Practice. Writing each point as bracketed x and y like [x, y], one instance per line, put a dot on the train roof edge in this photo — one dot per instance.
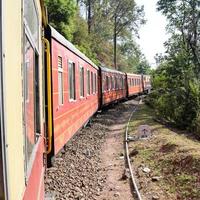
[132, 74]
[111, 70]
[61, 39]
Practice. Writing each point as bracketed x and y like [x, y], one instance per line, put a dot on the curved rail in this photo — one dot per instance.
[127, 156]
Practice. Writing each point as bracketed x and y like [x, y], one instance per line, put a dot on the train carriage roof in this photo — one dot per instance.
[61, 39]
[129, 74]
[105, 69]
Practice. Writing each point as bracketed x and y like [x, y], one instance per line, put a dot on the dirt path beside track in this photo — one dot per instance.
[117, 186]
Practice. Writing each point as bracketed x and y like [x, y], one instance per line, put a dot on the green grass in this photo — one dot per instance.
[170, 154]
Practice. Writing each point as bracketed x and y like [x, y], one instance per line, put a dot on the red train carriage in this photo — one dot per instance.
[146, 83]
[134, 82]
[74, 89]
[112, 86]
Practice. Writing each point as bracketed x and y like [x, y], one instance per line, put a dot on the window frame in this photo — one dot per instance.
[92, 82]
[74, 80]
[82, 88]
[95, 79]
[88, 83]
[28, 162]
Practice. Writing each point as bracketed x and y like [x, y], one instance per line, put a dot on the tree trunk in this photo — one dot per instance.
[115, 43]
[89, 16]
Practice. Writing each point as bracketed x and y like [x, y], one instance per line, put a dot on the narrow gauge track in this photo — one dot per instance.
[80, 171]
[133, 181]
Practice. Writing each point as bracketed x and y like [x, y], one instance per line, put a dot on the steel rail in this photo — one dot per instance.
[127, 156]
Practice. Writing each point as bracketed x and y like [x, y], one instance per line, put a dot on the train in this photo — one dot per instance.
[49, 90]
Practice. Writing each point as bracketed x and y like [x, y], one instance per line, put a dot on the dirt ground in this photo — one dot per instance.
[113, 155]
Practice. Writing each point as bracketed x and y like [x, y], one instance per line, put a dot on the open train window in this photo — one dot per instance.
[72, 81]
[95, 81]
[107, 83]
[92, 83]
[116, 83]
[94, 87]
[31, 89]
[60, 81]
[81, 81]
[112, 83]
[88, 82]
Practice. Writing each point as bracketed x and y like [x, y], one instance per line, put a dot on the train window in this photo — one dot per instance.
[112, 86]
[60, 82]
[95, 82]
[31, 89]
[107, 82]
[31, 19]
[72, 81]
[92, 83]
[29, 95]
[116, 84]
[88, 82]
[81, 81]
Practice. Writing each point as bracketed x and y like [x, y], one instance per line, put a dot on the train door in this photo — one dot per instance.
[3, 177]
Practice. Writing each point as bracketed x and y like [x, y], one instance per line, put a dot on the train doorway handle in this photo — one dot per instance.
[49, 101]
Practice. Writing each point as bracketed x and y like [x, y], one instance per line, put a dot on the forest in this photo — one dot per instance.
[105, 31]
[176, 81]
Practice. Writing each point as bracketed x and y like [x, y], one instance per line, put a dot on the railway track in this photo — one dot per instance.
[79, 167]
[135, 189]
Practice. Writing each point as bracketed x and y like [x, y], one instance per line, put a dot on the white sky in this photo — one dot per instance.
[153, 33]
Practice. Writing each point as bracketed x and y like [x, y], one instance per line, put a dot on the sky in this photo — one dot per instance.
[153, 33]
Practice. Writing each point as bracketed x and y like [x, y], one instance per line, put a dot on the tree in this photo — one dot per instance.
[61, 14]
[89, 24]
[176, 82]
[184, 19]
[125, 15]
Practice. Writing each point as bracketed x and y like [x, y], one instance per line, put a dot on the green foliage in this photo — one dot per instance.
[61, 15]
[176, 82]
[67, 16]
